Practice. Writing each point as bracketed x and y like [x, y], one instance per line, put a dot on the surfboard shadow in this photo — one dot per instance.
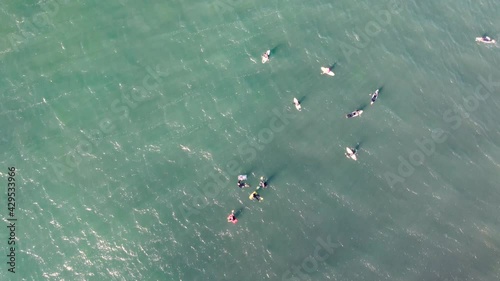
[333, 66]
[276, 49]
[267, 182]
[238, 212]
[380, 89]
[270, 179]
[358, 145]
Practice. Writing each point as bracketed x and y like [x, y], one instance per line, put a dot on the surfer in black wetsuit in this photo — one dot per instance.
[374, 97]
[486, 39]
[231, 217]
[353, 114]
[255, 196]
[242, 184]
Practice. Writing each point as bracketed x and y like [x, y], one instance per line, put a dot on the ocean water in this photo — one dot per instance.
[128, 123]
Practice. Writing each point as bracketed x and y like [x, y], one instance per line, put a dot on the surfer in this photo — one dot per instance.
[327, 71]
[255, 196]
[242, 184]
[241, 181]
[355, 113]
[374, 97]
[262, 182]
[232, 218]
[351, 153]
[296, 102]
[265, 56]
[485, 39]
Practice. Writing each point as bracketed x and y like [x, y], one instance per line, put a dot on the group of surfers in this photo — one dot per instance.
[351, 152]
[253, 196]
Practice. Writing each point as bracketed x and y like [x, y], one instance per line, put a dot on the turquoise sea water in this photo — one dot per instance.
[129, 122]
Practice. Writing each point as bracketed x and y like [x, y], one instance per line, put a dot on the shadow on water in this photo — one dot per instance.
[302, 99]
[270, 178]
[276, 49]
[379, 90]
[238, 212]
[274, 173]
[358, 145]
[268, 181]
[333, 66]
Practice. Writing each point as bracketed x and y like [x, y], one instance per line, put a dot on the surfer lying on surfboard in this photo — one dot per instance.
[354, 114]
[255, 196]
[485, 39]
[351, 153]
[232, 218]
[297, 104]
[265, 56]
[241, 181]
[242, 184]
[374, 97]
[327, 71]
[262, 183]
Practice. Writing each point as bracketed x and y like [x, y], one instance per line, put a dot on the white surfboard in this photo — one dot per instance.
[297, 104]
[327, 71]
[265, 56]
[350, 154]
[359, 112]
[480, 39]
[374, 97]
